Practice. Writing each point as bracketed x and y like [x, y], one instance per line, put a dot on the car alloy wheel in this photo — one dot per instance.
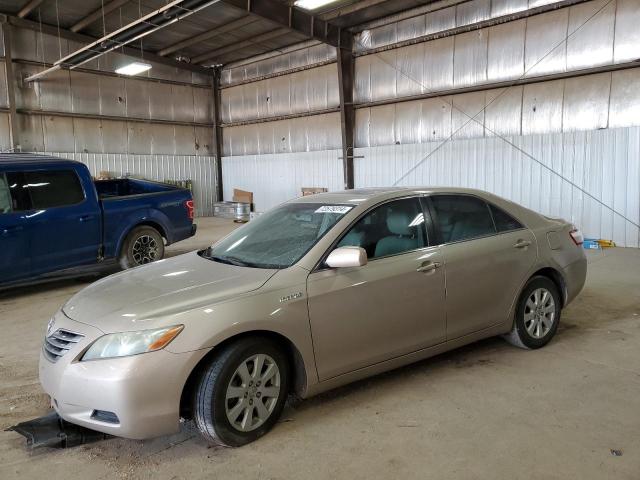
[539, 313]
[253, 392]
[145, 250]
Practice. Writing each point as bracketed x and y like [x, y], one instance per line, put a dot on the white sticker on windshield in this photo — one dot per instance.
[341, 209]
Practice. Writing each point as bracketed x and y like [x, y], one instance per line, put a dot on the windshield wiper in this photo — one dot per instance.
[229, 261]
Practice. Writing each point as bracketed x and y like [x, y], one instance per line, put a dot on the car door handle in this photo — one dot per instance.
[85, 218]
[522, 244]
[428, 267]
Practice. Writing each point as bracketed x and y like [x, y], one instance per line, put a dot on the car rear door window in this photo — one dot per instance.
[13, 194]
[55, 188]
[390, 229]
[462, 217]
[504, 222]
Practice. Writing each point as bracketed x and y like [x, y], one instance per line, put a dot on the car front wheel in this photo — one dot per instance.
[242, 392]
[537, 314]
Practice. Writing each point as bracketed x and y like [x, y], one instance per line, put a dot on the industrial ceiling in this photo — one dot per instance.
[222, 32]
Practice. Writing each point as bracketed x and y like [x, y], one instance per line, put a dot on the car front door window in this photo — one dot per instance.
[390, 229]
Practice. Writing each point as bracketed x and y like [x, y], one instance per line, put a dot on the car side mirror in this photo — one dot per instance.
[347, 257]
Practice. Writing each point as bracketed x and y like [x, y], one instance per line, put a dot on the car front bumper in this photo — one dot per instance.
[143, 391]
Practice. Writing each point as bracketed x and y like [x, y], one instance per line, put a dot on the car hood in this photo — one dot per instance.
[150, 296]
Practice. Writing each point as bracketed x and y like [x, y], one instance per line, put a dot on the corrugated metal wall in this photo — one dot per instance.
[604, 163]
[169, 112]
[577, 124]
[304, 134]
[276, 178]
[199, 169]
[610, 99]
[158, 127]
[302, 91]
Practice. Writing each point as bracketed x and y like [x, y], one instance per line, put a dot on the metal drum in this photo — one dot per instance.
[237, 211]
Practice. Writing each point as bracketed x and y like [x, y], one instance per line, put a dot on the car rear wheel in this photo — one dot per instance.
[242, 392]
[143, 245]
[537, 314]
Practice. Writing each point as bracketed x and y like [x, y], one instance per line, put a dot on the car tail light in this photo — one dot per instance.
[190, 208]
[576, 236]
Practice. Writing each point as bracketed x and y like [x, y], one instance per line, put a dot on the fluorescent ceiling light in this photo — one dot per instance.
[134, 68]
[313, 4]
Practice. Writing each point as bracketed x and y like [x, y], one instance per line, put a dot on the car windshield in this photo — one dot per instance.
[278, 238]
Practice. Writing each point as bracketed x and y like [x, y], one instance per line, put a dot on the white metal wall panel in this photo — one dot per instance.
[505, 7]
[87, 135]
[503, 115]
[473, 12]
[5, 140]
[113, 96]
[624, 108]
[304, 56]
[470, 58]
[85, 93]
[627, 33]
[580, 103]
[604, 163]
[4, 101]
[467, 115]
[159, 106]
[586, 102]
[305, 134]
[533, 46]
[591, 28]
[506, 51]
[276, 178]
[304, 91]
[438, 64]
[546, 46]
[542, 107]
[199, 169]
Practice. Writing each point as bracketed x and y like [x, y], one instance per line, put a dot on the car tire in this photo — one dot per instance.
[141, 246]
[537, 314]
[220, 414]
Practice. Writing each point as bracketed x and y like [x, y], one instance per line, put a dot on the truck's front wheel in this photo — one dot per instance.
[142, 245]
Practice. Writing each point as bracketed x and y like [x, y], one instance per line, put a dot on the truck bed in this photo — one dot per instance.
[124, 187]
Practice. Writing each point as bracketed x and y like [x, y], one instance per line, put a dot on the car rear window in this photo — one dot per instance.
[54, 188]
[462, 217]
[504, 222]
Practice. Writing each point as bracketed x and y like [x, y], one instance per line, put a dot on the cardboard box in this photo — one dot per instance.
[242, 196]
[313, 190]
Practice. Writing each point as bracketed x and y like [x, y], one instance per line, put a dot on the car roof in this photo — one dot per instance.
[33, 158]
[366, 195]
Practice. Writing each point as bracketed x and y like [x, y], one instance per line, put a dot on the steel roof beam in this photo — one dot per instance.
[85, 39]
[29, 7]
[97, 15]
[290, 17]
[239, 45]
[240, 22]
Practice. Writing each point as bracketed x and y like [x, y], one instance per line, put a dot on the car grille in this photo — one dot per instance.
[59, 343]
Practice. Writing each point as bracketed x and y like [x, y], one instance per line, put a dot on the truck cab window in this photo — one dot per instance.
[5, 195]
[53, 188]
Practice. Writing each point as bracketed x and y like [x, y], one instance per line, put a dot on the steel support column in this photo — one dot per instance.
[14, 129]
[217, 132]
[346, 71]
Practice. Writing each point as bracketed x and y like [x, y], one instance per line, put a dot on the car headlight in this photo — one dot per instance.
[131, 343]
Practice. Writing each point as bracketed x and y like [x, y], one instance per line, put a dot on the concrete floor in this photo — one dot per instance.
[485, 411]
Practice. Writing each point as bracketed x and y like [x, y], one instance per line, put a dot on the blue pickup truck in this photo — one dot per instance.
[56, 220]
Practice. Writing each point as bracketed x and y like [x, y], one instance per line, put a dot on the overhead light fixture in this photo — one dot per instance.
[134, 68]
[313, 4]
